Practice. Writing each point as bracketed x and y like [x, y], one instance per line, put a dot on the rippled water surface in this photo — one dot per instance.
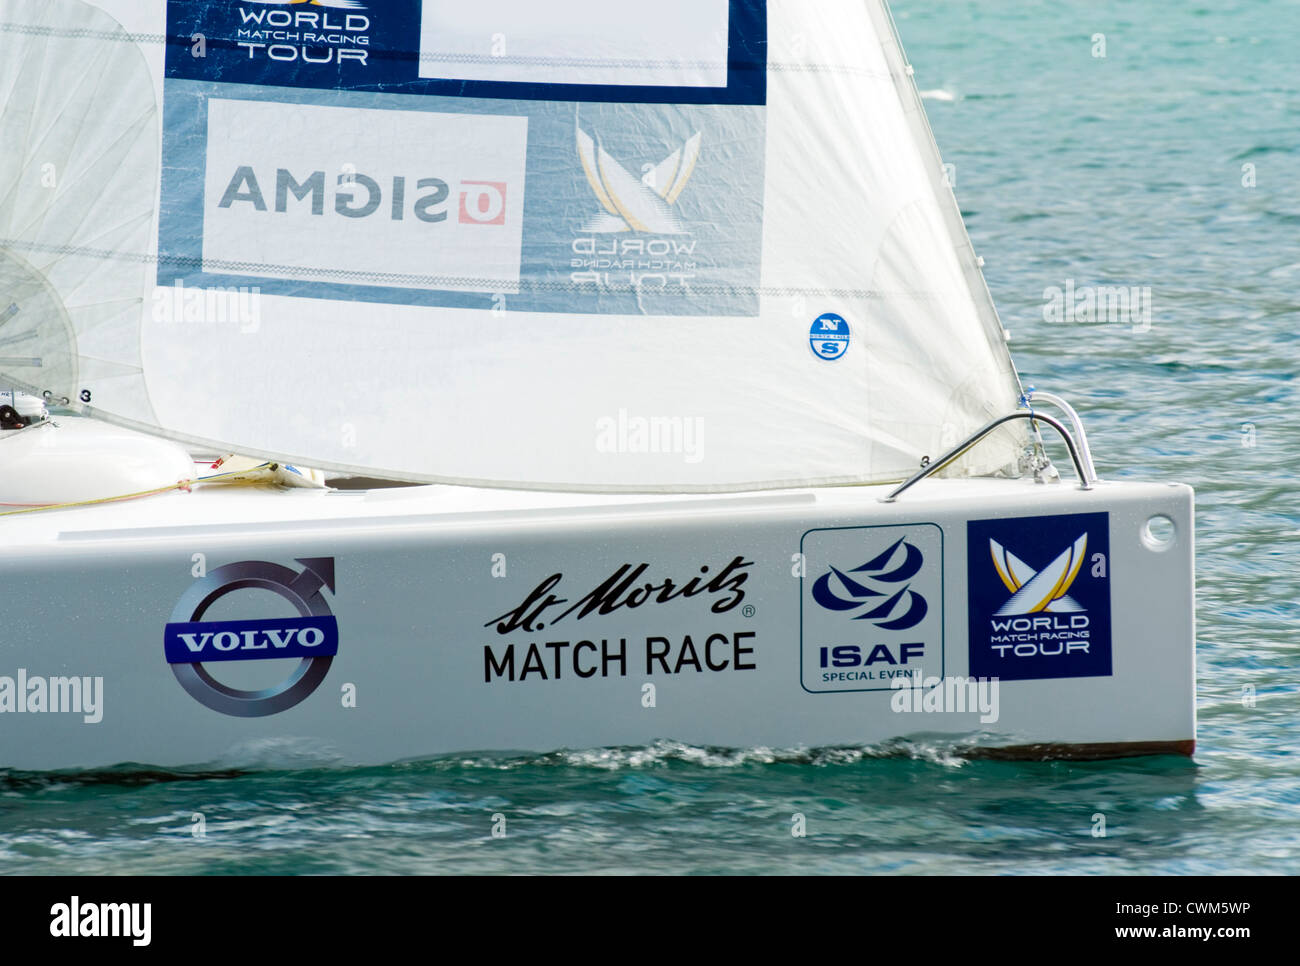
[1131, 169]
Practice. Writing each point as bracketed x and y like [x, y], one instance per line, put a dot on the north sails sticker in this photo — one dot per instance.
[872, 606]
[1040, 597]
[189, 641]
[829, 336]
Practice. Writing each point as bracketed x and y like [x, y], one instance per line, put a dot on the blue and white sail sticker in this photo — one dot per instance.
[871, 607]
[368, 151]
[1039, 597]
[829, 336]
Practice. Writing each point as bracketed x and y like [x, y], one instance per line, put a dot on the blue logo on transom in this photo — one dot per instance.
[1040, 597]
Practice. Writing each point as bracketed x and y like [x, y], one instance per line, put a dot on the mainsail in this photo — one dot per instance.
[703, 245]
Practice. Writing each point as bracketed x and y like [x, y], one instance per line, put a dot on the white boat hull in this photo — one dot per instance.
[446, 641]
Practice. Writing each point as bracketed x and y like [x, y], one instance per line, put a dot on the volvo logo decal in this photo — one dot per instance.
[190, 641]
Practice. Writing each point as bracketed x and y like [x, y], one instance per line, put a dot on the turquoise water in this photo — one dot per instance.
[1122, 170]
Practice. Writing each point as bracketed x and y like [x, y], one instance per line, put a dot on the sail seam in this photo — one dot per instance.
[82, 33]
[485, 285]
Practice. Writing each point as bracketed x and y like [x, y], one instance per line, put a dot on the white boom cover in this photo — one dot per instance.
[700, 245]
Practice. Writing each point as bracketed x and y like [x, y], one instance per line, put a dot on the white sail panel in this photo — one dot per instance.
[669, 42]
[360, 208]
[305, 242]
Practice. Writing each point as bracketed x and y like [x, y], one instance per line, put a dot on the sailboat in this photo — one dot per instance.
[425, 378]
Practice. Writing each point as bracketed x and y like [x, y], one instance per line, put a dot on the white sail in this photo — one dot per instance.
[570, 251]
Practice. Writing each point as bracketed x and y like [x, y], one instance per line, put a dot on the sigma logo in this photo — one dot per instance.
[1040, 597]
[420, 199]
[190, 642]
[354, 194]
[872, 608]
[482, 202]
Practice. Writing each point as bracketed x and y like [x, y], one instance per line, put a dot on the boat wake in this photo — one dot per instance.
[288, 757]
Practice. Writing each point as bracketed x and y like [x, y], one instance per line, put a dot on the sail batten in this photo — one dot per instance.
[713, 253]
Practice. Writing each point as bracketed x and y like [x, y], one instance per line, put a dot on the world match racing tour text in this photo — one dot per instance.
[624, 589]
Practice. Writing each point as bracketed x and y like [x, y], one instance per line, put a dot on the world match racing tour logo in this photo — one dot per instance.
[645, 205]
[1039, 591]
[1043, 609]
[328, 31]
[189, 641]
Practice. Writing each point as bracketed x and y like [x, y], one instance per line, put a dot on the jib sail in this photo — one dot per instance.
[569, 245]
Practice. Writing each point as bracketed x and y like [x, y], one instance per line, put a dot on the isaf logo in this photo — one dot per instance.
[1040, 597]
[864, 626]
[190, 642]
[899, 610]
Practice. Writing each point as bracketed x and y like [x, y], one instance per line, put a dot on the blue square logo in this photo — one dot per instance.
[1039, 597]
[872, 607]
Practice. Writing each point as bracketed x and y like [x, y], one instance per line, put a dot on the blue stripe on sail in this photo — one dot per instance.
[696, 251]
